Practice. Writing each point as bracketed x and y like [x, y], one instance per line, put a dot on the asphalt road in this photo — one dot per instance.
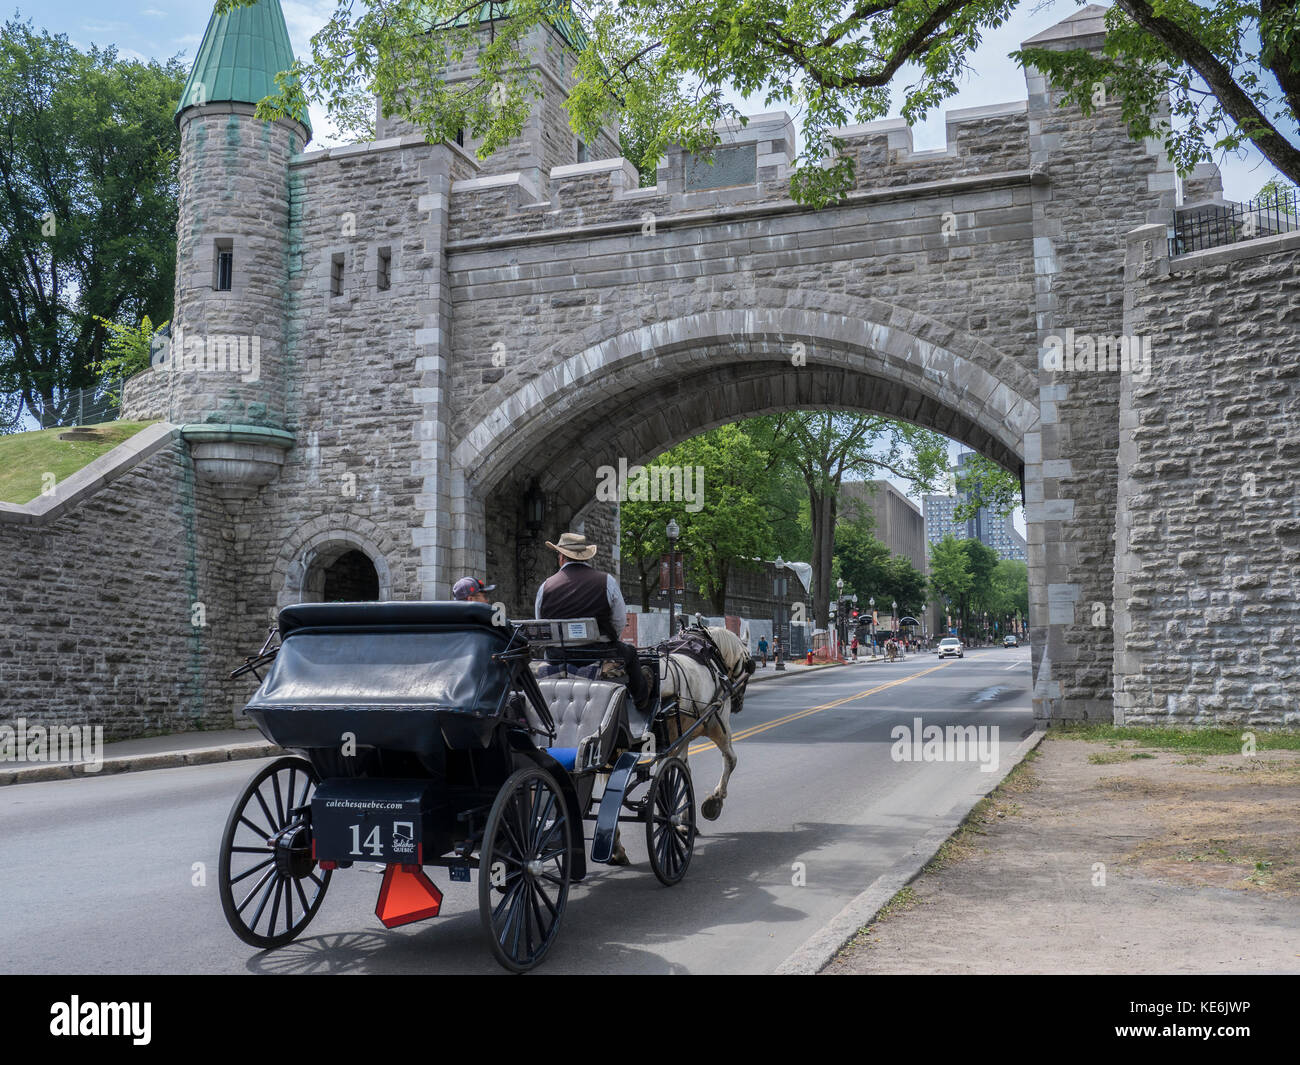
[118, 875]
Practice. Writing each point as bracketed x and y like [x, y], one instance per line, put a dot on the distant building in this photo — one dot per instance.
[899, 525]
[989, 528]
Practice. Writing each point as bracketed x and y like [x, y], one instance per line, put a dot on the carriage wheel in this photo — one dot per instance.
[670, 821]
[270, 889]
[523, 880]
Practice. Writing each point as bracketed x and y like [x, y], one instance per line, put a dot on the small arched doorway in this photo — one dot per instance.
[350, 578]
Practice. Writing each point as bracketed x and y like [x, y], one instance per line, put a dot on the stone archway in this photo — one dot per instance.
[319, 559]
[635, 393]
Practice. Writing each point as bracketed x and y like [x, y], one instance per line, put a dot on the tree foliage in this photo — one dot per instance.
[985, 484]
[731, 530]
[88, 159]
[970, 579]
[664, 68]
[825, 447]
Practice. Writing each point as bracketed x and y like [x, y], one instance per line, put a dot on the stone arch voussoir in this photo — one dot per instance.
[954, 369]
[320, 541]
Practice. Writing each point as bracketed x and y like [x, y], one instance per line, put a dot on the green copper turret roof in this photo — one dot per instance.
[241, 54]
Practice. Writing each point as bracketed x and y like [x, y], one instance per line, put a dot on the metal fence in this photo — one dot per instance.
[88, 406]
[1216, 224]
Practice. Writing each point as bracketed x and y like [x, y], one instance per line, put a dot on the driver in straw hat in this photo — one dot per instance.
[579, 590]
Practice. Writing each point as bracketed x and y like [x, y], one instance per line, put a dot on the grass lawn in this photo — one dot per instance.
[1201, 740]
[26, 457]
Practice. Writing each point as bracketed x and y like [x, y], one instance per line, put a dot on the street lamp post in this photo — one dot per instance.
[871, 605]
[779, 588]
[674, 531]
[893, 620]
[839, 616]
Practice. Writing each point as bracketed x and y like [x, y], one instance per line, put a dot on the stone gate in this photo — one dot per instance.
[440, 340]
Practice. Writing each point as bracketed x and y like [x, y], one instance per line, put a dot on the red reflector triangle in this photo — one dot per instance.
[406, 896]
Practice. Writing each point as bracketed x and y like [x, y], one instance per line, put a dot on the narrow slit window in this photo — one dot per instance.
[583, 155]
[336, 275]
[460, 136]
[225, 266]
[384, 274]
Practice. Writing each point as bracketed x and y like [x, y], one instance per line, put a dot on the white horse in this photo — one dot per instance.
[695, 686]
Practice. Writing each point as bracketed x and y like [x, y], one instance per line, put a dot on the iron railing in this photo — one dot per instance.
[88, 406]
[1213, 225]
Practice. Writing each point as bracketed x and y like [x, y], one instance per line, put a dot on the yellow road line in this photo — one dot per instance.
[754, 730]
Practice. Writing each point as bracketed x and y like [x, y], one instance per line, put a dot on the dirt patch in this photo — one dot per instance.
[1089, 859]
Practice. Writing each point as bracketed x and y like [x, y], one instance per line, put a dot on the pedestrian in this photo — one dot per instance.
[762, 650]
[854, 646]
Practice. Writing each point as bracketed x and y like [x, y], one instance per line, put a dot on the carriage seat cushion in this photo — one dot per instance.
[587, 713]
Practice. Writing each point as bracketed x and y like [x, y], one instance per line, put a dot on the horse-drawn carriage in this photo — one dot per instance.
[423, 737]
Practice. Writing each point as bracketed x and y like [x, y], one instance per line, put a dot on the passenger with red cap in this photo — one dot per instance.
[472, 590]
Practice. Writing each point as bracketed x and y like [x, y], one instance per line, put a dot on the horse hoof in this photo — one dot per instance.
[619, 857]
[711, 808]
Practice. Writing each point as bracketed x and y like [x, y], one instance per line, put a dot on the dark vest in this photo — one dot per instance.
[579, 591]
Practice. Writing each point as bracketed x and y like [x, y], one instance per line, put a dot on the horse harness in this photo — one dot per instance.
[696, 643]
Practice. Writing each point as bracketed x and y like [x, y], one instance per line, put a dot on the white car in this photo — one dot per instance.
[951, 646]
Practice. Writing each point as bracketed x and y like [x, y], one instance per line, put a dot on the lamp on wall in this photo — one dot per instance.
[534, 507]
[534, 517]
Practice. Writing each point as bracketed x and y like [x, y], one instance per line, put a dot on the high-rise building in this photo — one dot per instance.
[986, 526]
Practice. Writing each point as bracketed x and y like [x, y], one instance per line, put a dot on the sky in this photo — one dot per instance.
[160, 29]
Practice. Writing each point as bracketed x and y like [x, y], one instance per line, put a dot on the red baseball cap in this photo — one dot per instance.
[467, 586]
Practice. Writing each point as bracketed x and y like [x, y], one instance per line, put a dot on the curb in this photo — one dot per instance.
[821, 947]
[772, 674]
[138, 763]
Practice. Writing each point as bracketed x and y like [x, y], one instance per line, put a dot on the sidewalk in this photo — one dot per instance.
[1108, 856]
[225, 745]
[154, 752]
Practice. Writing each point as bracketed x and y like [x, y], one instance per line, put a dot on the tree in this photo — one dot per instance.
[88, 160]
[1009, 591]
[730, 530]
[1275, 193]
[981, 560]
[824, 446]
[950, 573]
[906, 585]
[985, 484]
[1230, 69]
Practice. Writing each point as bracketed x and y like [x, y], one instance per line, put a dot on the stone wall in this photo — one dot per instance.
[1099, 184]
[1207, 572]
[119, 612]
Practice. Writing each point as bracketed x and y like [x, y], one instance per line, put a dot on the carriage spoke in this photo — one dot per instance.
[543, 925]
[250, 871]
[270, 817]
[275, 905]
[256, 888]
[302, 896]
[265, 834]
[269, 879]
[279, 802]
[539, 823]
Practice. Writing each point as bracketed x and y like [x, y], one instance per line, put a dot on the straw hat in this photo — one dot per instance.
[574, 546]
